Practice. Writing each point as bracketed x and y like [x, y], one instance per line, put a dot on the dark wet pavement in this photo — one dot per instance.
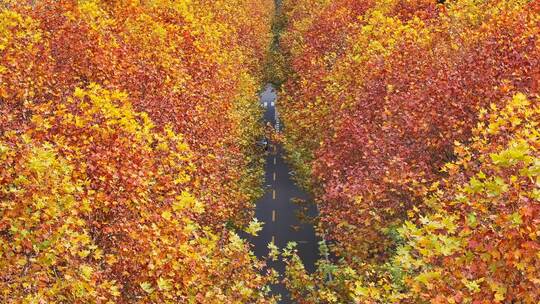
[277, 208]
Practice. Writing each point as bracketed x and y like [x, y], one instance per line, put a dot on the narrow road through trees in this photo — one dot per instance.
[277, 208]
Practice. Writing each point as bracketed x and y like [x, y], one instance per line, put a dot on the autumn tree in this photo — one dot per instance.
[374, 104]
[479, 240]
[177, 62]
[94, 192]
[127, 147]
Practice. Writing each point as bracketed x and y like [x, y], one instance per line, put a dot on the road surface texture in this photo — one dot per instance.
[277, 208]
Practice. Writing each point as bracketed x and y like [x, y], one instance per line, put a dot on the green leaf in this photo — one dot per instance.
[471, 220]
[426, 277]
[254, 227]
[86, 272]
[164, 284]
[273, 251]
[515, 218]
[473, 286]
[511, 156]
[147, 287]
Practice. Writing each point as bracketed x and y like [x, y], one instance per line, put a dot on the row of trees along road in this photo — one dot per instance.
[126, 150]
[415, 125]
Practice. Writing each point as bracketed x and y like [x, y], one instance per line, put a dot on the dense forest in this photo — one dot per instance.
[131, 159]
[126, 150]
[415, 124]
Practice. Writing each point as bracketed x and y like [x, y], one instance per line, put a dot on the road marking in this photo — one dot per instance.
[274, 160]
[273, 103]
[273, 194]
[266, 104]
[273, 215]
[273, 240]
[274, 176]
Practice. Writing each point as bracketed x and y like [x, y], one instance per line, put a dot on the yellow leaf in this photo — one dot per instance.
[166, 215]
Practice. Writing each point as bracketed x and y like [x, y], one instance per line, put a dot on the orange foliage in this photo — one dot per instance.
[378, 94]
[127, 146]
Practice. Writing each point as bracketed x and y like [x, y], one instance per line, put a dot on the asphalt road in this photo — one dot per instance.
[277, 209]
